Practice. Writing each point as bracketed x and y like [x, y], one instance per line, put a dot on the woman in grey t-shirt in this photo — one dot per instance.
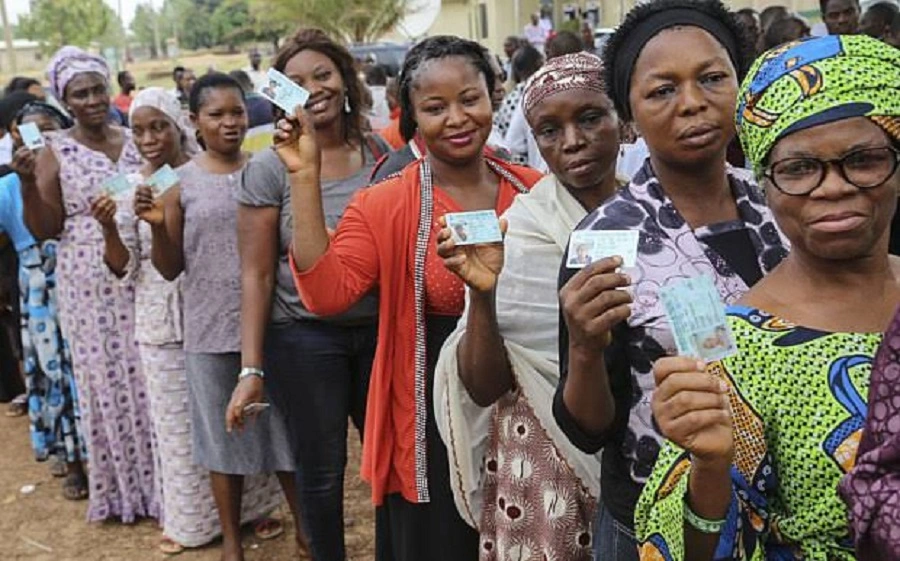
[317, 369]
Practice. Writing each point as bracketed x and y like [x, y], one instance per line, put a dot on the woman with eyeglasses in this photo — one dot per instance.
[758, 442]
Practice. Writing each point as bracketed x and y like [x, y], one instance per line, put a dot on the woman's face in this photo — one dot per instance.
[87, 97]
[222, 120]
[452, 108]
[499, 78]
[44, 123]
[683, 94]
[577, 132]
[156, 136]
[837, 220]
[319, 75]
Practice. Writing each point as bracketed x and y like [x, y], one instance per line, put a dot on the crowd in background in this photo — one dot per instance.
[197, 356]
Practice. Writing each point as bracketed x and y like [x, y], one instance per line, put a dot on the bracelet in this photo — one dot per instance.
[249, 371]
[701, 524]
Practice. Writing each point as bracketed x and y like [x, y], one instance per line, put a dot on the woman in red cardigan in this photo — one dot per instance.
[387, 237]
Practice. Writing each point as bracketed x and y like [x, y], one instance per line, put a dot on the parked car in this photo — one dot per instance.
[389, 55]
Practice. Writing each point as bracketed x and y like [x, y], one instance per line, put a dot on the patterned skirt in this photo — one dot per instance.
[52, 400]
[189, 514]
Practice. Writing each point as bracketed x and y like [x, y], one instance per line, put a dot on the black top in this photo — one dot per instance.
[620, 492]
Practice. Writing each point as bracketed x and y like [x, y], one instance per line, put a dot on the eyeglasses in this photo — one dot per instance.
[864, 169]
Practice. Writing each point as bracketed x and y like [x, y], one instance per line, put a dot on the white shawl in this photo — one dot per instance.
[528, 315]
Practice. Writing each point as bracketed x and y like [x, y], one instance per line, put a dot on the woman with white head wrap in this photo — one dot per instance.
[61, 190]
[188, 511]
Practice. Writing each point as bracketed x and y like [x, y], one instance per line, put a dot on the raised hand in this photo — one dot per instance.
[592, 304]
[148, 207]
[23, 164]
[296, 144]
[103, 209]
[691, 407]
[477, 265]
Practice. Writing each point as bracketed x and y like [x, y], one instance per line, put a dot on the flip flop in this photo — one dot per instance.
[75, 487]
[169, 546]
[18, 407]
[268, 528]
[58, 468]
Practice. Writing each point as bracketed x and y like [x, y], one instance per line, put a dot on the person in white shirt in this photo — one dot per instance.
[536, 33]
[257, 75]
[376, 80]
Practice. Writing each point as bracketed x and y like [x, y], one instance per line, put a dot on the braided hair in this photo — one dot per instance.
[317, 40]
[714, 9]
[432, 49]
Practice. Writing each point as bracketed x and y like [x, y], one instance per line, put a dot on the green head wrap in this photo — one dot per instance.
[816, 81]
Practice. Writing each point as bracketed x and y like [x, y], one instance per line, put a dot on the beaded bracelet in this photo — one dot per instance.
[701, 524]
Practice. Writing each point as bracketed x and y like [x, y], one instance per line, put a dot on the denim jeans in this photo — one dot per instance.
[318, 374]
[613, 541]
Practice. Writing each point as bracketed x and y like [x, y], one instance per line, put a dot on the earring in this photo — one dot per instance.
[346, 103]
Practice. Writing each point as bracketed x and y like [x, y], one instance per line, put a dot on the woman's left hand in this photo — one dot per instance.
[103, 210]
[477, 265]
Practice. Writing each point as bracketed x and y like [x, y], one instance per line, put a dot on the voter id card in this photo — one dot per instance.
[163, 179]
[589, 246]
[31, 136]
[697, 318]
[477, 227]
[283, 92]
[117, 184]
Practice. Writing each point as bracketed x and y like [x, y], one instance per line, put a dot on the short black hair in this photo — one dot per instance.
[243, 79]
[823, 4]
[563, 43]
[20, 84]
[780, 32]
[11, 104]
[436, 48]
[884, 12]
[895, 24]
[177, 72]
[43, 108]
[376, 75]
[526, 62]
[772, 14]
[212, 81]
[744, 48]
[120, 77]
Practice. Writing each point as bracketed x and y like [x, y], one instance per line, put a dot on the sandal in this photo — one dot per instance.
[18, 407]
[268, 528]
[169, 546]
[58, 468]
[75, 487]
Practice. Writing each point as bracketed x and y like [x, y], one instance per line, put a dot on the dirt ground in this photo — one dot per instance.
[42, 526]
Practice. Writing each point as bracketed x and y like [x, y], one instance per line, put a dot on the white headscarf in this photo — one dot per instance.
[160, 99]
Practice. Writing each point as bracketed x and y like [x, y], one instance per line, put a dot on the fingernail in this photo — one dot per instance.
[701, 366]
[723, 387]
[626, 279]
[618, 261]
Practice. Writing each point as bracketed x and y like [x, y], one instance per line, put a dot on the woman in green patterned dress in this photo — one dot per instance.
[758, 443]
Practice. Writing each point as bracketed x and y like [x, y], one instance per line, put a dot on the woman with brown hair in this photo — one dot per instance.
[316, 369]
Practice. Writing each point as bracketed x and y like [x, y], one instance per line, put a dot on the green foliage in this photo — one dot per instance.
[358, 21]
[56, 23]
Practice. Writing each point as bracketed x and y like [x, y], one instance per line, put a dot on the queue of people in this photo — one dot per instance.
[197, 356]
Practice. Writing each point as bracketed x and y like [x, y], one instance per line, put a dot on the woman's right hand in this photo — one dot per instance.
[103, 209]
[592, 304]
[692, 409]
[248, 390]
[296, 144]
[147, 207]
[23, 164]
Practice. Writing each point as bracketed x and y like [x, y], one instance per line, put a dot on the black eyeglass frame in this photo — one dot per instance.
[768, 171]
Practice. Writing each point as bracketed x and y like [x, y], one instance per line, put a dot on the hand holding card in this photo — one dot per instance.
[471, 245]
[31, 136]
[163, 179]
[697, 318]
[283, 92]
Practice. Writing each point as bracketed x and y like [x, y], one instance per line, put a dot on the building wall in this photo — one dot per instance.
[27, 59]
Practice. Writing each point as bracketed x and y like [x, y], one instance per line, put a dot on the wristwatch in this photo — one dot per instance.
[249, 371]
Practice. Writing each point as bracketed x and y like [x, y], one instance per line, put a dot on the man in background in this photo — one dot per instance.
[841, 17]
[254, 71]
[127, 86]
[536, 34]
[878, 19]
[379, 114]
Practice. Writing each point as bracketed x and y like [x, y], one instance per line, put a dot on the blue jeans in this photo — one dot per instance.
[613, 541]
[319, 376]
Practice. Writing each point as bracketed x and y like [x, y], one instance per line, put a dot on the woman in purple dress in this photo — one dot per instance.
[97, 310]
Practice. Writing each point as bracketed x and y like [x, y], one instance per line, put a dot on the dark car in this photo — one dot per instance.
[389, 55]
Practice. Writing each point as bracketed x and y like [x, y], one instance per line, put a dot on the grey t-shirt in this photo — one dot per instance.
[265, 183]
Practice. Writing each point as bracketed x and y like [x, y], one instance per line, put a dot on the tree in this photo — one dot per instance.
[358, 21]
[55, 23]
[148, 27]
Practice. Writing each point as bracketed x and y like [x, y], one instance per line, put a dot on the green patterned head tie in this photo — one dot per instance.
[813, 82]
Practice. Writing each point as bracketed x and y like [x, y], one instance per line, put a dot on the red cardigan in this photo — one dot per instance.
[375, 244]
